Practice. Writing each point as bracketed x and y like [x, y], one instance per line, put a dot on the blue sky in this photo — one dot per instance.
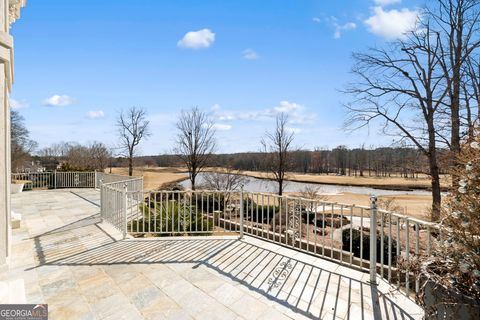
[78, 62]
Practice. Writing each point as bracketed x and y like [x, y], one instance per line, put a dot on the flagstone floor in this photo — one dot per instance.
[66, 257]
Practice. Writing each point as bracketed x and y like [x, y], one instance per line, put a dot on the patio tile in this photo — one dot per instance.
[84, 273]
[249, 307]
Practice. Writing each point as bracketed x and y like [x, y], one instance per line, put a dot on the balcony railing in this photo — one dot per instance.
[334, 231]
[55, 180]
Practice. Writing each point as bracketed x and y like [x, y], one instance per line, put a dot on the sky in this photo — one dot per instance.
[78, 63]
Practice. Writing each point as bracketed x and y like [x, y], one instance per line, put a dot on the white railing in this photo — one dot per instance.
[335, 231]
[55, 180]
[340, 232]
[102, 177]
[120, 199]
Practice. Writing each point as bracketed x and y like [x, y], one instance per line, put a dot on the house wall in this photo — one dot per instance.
[9, 12]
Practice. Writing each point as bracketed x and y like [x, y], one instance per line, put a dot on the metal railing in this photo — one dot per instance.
[55, 180]
[340, 232]
[335, 231]
[120, 199]
[108, 178]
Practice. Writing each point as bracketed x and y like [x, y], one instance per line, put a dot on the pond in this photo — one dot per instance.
[263, 185]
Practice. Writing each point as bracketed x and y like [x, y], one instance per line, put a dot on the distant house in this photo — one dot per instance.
[51, 164]
[31, 166]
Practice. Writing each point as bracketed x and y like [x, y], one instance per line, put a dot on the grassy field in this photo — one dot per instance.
[154, 178]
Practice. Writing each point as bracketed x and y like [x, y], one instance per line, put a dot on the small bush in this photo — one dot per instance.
[331, 220]
[357, 240]
[171, 218]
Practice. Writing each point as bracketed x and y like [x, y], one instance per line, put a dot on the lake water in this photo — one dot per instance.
[262, 185]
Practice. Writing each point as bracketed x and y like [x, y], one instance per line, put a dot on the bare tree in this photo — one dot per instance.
[403, 88]
[277, 146]
[471, 91]
[195, 141]
[457, 24]
[21, 144]
[227, 180]
[100, 155]
[133, 127]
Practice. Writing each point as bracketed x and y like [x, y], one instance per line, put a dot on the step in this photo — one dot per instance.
[12, 291]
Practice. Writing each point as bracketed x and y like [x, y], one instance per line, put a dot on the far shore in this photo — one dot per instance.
[386, 183]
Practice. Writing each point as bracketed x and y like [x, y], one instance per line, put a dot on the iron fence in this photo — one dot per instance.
[336, 231]
[363, 237]
[55, 180]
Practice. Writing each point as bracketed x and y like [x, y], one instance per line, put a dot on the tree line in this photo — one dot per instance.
[372, 162]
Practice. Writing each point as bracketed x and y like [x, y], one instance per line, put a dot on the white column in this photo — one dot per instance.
[9, 12]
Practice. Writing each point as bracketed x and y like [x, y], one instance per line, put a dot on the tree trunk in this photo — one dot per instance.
[192, 180]
[280, 187]
[434, 174]
[130, 166]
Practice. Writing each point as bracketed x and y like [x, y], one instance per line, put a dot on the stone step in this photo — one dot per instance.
[12, 291]
[16, 220]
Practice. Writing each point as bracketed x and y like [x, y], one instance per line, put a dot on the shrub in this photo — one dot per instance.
[269, 211]
[172, 218]
[456, 262]
[357, 241]
[331, 220]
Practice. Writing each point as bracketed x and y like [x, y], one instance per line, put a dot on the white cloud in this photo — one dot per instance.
[249, 54]
[295, 111]
[58, 101]
[18, 104]
[95, 114]
[392, 24]
[216, 107]
[221, 127]
[386, 2]
[340, 28]
[287, 107]
[344, 27]
[316, 19]
[197, 39]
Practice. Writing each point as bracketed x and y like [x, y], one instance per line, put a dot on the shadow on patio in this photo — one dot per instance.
[307, 285]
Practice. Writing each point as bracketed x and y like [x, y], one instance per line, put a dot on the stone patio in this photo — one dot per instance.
[65, 256]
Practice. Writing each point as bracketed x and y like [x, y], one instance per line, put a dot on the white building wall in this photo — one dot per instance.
[9, 12]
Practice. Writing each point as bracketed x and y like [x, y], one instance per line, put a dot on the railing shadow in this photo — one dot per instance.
[305, 288]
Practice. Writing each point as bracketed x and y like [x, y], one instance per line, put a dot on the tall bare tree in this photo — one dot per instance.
[133, 127]
[403, 88]
[21, 144]
[277, 146]
[100, 155]
[471, 91]
[195, 141]
[457, 24]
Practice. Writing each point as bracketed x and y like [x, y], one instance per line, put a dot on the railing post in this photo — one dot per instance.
[55, 179]
[95, 179]
[124, 210]
[102, 204]
[373, 239]
[241, 212]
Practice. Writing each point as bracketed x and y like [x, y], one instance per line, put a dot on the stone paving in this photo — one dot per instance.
[81, 267]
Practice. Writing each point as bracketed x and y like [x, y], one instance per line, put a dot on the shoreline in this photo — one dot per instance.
[392, 187]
